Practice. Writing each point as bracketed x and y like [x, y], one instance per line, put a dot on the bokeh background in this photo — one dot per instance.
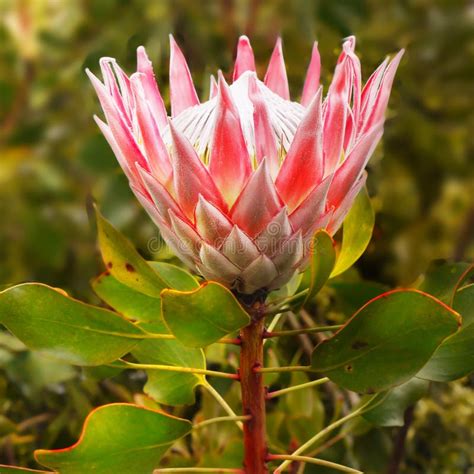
[54, 164]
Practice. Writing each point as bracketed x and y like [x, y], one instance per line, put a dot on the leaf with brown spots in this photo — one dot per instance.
[125, 263]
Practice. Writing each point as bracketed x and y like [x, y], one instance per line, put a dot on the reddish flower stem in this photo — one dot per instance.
[253, 397]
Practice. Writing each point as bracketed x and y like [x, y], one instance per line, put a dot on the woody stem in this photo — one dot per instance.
[253, 397]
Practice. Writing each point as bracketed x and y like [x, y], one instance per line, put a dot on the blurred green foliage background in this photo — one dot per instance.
[54, 163]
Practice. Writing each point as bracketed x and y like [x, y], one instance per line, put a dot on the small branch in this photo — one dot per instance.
[149, 335]
[295, 332]
[236, 341]
[225, 406]
[306, 342]
[272, 325]
[330, 442]
[306, 459]
[274, 370]
[276, 312]
[31, 422]
[171, 368]
[198, 469]
[283, 391]
[278, 307]
[326, 431]
[219, 419]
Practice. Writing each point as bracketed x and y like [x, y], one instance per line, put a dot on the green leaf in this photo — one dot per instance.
[125, 263]
[323, 258]
[47, 320]
[125, 300]
[454, 358]
[203, 316]
[119, 438]
[442, 279]
[386, 342]
[352, 295]
[357, 232]
[391, 411]
[18, 470]
[101, 372]
[176, 277]
[139, 306]
[170, 388]
[464, 304]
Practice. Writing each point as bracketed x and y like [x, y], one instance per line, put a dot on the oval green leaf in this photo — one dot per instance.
[124, 262]
[169, 388]
[119, 438]
[47, 320]
[323, 258]
[352, 295]
[386, 342]
[176, 277]
[357, 232]
[135, 305]
[442, 279]
[203, 316]
[454, 358]
[125, 300]
[392, 410]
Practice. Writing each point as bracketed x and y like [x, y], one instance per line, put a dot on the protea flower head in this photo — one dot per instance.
[239, 184]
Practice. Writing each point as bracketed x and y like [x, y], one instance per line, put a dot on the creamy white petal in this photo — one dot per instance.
[197, 123]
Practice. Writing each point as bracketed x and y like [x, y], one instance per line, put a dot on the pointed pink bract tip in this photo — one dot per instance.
[245, 60]
[275, 77]
[223, 91]
[311, 83]
[350, 41]
[182, 92]
[244, 40]
[142, 57]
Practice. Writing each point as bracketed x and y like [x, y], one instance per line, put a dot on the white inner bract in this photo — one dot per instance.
[197, 122]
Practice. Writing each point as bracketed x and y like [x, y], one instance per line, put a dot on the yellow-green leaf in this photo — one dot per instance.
[323, 258]
[357, 232]
[125, 263]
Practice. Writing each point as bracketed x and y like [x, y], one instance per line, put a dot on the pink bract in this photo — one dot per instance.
[239, 184]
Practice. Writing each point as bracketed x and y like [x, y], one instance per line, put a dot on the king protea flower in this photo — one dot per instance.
[239, 184]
